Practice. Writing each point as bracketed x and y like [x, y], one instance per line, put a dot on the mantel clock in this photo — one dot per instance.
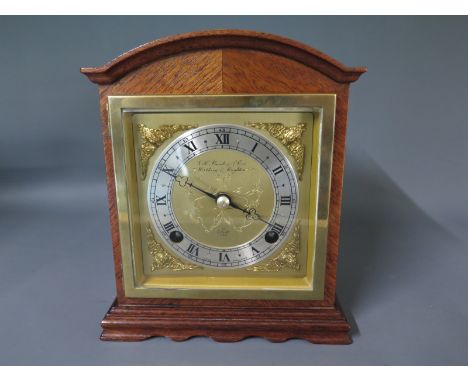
[224, 159]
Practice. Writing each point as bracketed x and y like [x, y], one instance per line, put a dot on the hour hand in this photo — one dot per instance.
[183, 181]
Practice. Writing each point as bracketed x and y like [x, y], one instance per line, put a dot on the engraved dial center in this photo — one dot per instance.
[234, 179]
[223, 201]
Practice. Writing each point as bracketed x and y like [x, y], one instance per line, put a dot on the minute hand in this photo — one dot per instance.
[250, 212]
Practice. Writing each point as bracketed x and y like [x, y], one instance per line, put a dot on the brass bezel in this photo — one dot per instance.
[310, 287]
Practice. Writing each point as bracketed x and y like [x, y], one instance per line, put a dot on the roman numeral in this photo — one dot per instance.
[161, 201]
[285, 201]
[168, 171]
[255, 146]
[223, 257]
[191, 146]
[192, 248]
[222, 138]
[277, 228]
[169, 226]
[254, 250]
[277, 170]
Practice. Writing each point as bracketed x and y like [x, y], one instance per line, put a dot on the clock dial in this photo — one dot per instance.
[223, 196]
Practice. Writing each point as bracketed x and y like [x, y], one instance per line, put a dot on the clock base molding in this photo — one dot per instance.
[319, 325]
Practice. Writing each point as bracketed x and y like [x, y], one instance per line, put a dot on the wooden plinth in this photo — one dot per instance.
[228, 324]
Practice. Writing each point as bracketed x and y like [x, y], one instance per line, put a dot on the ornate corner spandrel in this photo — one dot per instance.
[289, 136]
[163, 259]
[151, 139]
[286, 259]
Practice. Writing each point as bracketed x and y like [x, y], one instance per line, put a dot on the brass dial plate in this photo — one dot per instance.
[302, 128]
[223, 196]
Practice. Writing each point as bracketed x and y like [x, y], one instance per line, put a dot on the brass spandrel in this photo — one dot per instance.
[161, 259]
[289, 136]
[286, 259]
[153, 138]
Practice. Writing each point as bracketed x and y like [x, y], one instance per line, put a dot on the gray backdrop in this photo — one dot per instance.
[403, 261]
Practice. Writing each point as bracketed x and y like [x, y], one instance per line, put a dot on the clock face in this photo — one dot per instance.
[223, 196]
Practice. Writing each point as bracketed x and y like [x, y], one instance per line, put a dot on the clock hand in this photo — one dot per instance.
[250, 212]
[183, 181]
[212, 196]
[233, 205]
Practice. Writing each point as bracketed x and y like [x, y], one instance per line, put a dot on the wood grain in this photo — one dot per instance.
[227, 62]
[224, 324]
[221, 39]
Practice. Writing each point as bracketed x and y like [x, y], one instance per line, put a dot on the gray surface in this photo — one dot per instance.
[402, 271]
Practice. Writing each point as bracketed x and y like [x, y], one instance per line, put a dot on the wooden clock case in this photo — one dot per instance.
[214, 63]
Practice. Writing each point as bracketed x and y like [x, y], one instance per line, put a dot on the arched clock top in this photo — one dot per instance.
[219, 40]
[224, 161]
